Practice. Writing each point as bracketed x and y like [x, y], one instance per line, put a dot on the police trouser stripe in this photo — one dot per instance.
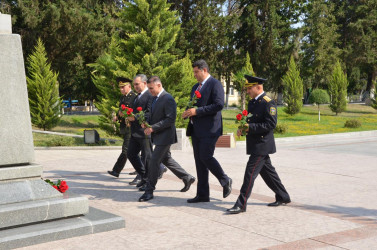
[251, 180]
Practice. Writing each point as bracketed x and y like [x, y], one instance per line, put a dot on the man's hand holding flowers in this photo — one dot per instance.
[191, 111]
[128, 113]
[241, 119]
[140, 116]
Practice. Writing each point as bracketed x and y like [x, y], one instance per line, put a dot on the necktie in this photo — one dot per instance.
[153, 102]
[137, 98]
[199, 87]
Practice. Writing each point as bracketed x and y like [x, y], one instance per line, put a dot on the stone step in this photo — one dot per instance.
[24, 190]
[20, 172]
[94, 222]
[69, 204]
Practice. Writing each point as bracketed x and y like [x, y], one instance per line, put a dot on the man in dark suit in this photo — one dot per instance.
[127, 99]
[139, 142]
[205, 128]
[260, 143]
[163, 112]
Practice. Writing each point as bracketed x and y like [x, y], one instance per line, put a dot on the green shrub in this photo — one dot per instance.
[353, 123]
[60, 141]
[281, 129]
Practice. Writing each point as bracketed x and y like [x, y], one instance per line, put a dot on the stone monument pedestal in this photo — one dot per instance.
[31, 210]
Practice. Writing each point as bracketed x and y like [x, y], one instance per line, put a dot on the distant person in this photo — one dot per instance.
[260, 143]
[205, 127]
[163, 113]
[127, 99]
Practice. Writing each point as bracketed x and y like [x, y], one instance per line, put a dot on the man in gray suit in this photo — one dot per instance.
[163, 112]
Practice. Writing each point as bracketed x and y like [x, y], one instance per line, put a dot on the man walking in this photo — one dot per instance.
[163, 112]
[139, 142]
[260, 143]
[205, 127]
[127, 100]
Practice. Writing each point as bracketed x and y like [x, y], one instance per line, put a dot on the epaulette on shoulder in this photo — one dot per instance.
[268, 99]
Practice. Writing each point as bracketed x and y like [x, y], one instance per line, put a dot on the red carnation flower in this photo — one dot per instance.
[129, 112]
[123, 107]
[139, 109]
[198, 95]
[55, 187]
[63, 186]
[239, 117]
[244, 112]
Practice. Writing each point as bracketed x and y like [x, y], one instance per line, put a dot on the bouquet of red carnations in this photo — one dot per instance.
[60, 185]
[241, 119]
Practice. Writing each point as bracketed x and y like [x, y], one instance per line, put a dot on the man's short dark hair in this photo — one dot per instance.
[154, 79]
[201, 64]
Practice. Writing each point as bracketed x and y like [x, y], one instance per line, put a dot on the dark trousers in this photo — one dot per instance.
[261, 164]
[122, 159]
[136, 146]
[204, 149]
[161, 154]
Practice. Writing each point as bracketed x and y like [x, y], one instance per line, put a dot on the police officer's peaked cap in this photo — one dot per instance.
[253, 80]
[123, 81]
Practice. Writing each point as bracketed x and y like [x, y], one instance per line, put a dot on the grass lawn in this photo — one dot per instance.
[74, 124]
[304, 123]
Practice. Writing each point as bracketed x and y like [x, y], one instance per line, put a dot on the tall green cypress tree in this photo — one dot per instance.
[144, 44]
[338, 89]
[106, 69]
[293, 89]
[239, 79]
[178, 81]
[43, 90]
[320, 45]
[151, 29]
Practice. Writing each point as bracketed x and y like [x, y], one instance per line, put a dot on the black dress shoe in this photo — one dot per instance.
[133, 173]
[162, 172]
[136, 180]
[227, 189]
[278, 203]
[141, 183]
[115, 174]
[142, 188]
[188, 184]
[197, 199]
[146, 197]
[235, 210]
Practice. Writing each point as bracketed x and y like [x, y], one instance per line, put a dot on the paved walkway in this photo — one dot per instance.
[331, 180]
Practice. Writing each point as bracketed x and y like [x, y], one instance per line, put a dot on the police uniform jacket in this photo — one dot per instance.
[127, 100]
[260, 138]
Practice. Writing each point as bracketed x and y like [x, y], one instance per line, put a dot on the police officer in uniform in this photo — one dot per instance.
[127, 99]
[260, 143]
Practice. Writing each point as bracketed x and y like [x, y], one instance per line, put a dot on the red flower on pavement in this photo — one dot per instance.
[123, 107]
[139, 109]
[63, 187]
[60, 185]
